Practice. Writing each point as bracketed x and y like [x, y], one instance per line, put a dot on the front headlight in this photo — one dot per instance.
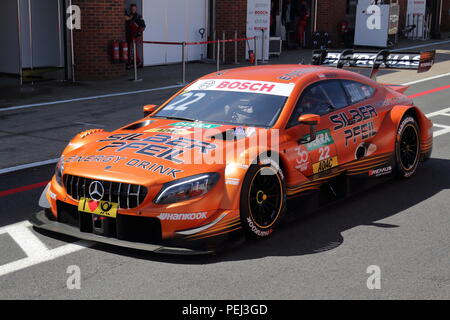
[187, 188]
[59, 169]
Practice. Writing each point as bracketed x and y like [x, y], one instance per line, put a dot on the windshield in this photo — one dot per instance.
[234, 102]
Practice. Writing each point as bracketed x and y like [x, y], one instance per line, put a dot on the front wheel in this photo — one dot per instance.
[263, 199]
[407, 147]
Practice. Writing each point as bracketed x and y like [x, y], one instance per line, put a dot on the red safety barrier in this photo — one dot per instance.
[196, 43]
[163, 42]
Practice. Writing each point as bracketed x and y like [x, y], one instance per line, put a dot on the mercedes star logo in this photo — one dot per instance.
[96, 190]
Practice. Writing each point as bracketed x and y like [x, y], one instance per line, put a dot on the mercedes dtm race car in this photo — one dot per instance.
[229, 153]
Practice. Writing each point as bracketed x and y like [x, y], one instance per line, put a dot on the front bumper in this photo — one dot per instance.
[41, 221]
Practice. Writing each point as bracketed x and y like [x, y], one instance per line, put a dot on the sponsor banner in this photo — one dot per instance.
[248, 86]
[258, 24]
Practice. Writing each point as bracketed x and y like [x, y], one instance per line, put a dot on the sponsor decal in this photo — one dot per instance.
[366, 59]
[153, 167]
[137, 163]
[351, 122]
[207, 84]
[323, 138]
[380, 171]
[302, 161]
[260, 233]
[354, 116]
[360, 132]
[249, 86]
[95, 158]
[182, 216]
[101, 208]
[170, 130]
[298, 73]
[198, 125]
[160, 146]
[52, 195]
[232, 181]
[325, 164]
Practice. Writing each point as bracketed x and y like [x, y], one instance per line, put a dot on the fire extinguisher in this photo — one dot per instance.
[115, 51]
[124, 51]
[343, 27]
[251, 54]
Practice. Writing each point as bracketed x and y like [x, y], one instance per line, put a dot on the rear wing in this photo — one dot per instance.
[384, 59]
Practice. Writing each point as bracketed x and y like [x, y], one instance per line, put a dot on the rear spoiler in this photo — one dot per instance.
[385, 59]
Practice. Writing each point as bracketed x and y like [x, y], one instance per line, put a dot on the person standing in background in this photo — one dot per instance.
[134, 27]
[302, 23]
[289, 18]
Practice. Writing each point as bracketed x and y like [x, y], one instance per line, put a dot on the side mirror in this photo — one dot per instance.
[149, 109]
[311, 120]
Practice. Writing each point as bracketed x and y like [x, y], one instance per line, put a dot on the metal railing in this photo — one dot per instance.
[217, 44]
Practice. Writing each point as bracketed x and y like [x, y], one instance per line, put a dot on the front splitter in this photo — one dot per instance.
[41, 221]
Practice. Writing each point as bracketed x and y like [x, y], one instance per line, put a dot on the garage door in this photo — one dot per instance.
[173, 20]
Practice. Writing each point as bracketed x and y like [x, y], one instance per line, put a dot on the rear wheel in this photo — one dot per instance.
[407, 148]
[263, 199]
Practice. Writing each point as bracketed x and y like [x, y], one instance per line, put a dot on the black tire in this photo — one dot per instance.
[263, 199]
[407, 147]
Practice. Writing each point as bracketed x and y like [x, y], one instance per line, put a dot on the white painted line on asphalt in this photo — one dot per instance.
[426, 79]
[30, 244]
[47, 256]
[28, 165]
[423, 45]
[442, 112]
[26, 106]
[21, 223]
[36, 251]
[445, 129]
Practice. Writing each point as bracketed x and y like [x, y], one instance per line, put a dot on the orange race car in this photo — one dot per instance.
[229, 153]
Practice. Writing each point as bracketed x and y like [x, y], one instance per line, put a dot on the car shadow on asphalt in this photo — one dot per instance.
[322, 231]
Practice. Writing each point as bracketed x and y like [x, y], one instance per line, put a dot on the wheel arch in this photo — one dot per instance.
[232, 195]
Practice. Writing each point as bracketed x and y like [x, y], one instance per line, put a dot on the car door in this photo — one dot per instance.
[316, 157]
[353, 126]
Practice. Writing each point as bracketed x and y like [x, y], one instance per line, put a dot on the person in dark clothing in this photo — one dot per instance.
[289, 18]
[134, 26]
[302, 22]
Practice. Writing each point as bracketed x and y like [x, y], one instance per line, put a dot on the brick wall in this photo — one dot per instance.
[231, 15]
[445, 23]
[329, 14]
[101, 22]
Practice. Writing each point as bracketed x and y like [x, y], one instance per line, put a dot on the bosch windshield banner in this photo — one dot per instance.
[247, 86]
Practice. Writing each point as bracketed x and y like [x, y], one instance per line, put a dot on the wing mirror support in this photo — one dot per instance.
[312, 120]
[149, 109]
